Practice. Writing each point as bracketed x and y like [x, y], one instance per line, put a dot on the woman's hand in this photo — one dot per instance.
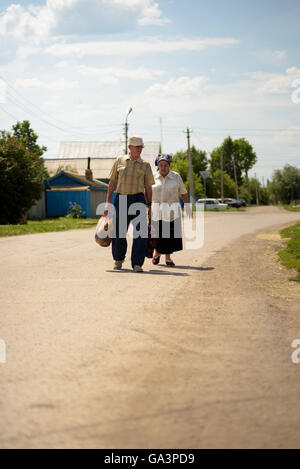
[189, 210]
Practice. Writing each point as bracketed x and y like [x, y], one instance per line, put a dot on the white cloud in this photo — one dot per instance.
[77, 17]
[61, 84]
[62, 64]
[156, 45]
[26, 51]
[272, 83]
[271, 57]
[149, 11]
[178, 87]
[20, 23]
[280, 55]
[113, 75]
[257, 95]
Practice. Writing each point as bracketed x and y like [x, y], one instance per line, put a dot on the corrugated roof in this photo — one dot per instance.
[100, 166]
[87, 181]
[92, 149]
[104, 150]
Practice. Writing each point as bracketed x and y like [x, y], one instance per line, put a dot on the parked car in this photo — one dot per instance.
[243, 202]
[211, 204]
[233, 203]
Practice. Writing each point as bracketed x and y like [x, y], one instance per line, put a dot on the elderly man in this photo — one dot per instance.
[133, 179]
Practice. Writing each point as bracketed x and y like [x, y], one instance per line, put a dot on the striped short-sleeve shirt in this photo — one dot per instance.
[131, 176]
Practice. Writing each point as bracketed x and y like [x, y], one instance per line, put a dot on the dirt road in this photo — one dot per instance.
[194, 357]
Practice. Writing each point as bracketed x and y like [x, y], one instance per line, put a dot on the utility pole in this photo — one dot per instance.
[235, 178]
[191, 175]
[248, 186]
[257, 200]
[126, 137]
[126, 130]
[222, 177]
[161, 135]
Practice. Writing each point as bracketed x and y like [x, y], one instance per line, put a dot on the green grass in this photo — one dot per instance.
[48, 225]
[291, 208]
[230, 209]
[290, 256]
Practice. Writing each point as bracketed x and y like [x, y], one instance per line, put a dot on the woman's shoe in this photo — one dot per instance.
[155, 260]
[170, 264]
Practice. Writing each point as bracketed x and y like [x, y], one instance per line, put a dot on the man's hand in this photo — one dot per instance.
[149, 211]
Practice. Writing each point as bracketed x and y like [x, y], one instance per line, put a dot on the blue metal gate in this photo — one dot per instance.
[58, 202]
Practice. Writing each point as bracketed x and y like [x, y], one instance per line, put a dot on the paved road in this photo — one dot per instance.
[99, 358]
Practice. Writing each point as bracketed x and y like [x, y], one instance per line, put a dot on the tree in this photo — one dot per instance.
[24, 132]
[214, 185]
[238, 150]
[248, 192]
[22, 174]
[180, 164]
[285, 185]
[199, 159]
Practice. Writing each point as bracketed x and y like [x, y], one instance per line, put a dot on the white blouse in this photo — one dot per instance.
[165, 193]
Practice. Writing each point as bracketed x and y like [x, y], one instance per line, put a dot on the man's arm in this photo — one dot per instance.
[148, 196]
[111, 189]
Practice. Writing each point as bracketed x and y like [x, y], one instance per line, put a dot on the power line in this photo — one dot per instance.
[51, 117]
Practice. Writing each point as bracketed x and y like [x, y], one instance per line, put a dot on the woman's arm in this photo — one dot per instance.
[188, 209]
[185, 198]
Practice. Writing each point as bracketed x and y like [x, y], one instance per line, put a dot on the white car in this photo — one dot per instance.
[210, 204]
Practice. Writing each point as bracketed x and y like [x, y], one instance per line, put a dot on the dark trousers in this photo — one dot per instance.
[122, 220]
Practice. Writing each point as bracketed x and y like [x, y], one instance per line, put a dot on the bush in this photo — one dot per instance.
[22, 174]
[75, 211]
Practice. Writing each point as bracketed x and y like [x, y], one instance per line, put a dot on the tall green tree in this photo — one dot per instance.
[248, 192]
[199, 159]
[239, 151]
[24, 132]
[22, 173]
[285, 185]
[214, 185]
[180, 164]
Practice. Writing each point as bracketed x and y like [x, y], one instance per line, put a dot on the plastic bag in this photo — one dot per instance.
[104, 230]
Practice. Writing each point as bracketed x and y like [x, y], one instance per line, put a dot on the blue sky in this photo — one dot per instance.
[72, 67]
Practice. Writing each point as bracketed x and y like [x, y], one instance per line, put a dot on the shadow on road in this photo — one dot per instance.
[150, 272]
[189, 267]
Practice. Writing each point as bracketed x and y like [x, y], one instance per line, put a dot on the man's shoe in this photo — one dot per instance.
[137, 268]
[118, 265]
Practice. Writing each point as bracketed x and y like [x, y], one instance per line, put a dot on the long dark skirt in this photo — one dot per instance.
[168, 236]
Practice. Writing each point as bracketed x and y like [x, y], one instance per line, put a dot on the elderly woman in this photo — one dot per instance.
[166, 210]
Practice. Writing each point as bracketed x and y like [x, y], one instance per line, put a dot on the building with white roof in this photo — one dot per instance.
[73, 156]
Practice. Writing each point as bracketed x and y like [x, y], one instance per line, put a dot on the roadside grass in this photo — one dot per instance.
[290, 256]
[231, 209]
[47, 225]
[291, 208]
